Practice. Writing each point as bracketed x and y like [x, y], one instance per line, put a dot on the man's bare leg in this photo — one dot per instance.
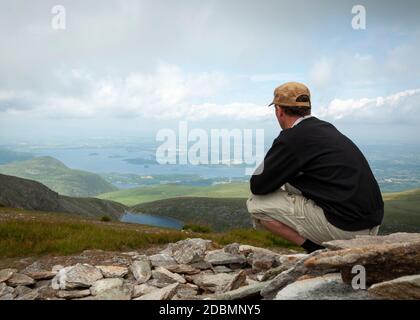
[283, 231]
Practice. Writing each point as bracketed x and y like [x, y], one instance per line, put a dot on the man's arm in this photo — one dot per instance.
[280, 164]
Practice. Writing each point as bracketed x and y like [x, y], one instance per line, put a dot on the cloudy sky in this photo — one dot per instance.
[127, 68]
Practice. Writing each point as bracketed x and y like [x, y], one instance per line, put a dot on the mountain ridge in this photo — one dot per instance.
[22, 193]
[58, 177]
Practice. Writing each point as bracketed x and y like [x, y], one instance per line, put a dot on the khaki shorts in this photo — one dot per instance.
[288, 206]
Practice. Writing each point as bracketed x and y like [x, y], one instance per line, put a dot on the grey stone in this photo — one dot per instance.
[189, 250]
[165, 293]
[222, 269]
[363, 241]
[291, 275]
[182, 268]
[218, 257]
[6, 274]
[78, 276]
[4, 289]
[232, 248]
[403, 288]
[105, 284]
[327, 287]
[160, 273]
[18, 279]
[186, 291]
[382, 262]
[30, 295]
[251, 291]
[113, 271]
[73, 294]
[236, 282]
[141, 270]
[161, 260]
[213, 283]
[142, 289]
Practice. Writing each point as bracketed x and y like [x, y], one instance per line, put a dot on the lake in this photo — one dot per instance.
[156, 221]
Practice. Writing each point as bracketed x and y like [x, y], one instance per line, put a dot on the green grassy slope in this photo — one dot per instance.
[55, 175]
[26, 233]
[22, 193]
[139, 195]
[402, 211]
[220, 214]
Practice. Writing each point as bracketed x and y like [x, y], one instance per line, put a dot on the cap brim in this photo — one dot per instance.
[272, 103]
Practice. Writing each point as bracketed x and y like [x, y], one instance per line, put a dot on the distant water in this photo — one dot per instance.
[147, 219]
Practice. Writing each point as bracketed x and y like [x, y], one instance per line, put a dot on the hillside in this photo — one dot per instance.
[28, 194]
[56, 176]
[29, 233]
[402, 211]
[220, 214]
[139, 195]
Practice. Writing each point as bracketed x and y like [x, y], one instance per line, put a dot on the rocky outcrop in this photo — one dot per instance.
[197, 269]
[384, 258]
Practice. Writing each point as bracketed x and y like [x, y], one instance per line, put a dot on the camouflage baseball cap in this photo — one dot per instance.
[292, 94]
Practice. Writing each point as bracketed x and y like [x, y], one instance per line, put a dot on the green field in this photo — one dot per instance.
[139, 195]
[59, 178]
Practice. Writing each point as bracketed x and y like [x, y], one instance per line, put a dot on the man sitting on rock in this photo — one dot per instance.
[314, 185]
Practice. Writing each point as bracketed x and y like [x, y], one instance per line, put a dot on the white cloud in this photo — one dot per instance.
[400, 107]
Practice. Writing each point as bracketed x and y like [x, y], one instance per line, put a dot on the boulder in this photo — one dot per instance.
[236, 282]
[186, 291]
[362, 241]
[251, 291]
[105, 284]
[4, 289]
[284, 262]
[189, 250]
[403, 288]
[6, 274]
[182, 268]
[327, 287]
[262, 261]
[113, 271]
[160, 273]
[222, 269]
[141, 270]
[41, 275]
[382, 262]
[142, 289]
[221, 257]
[18, 279]
[161, 260]
[165, 293]
[73, 294]
[232, 248]
[246, 250]
[291, 275]
[213, 283]
[78, 276]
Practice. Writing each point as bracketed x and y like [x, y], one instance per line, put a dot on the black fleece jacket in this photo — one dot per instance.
[326, 167]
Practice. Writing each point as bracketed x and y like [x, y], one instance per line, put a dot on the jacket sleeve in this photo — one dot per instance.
[279, 165]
